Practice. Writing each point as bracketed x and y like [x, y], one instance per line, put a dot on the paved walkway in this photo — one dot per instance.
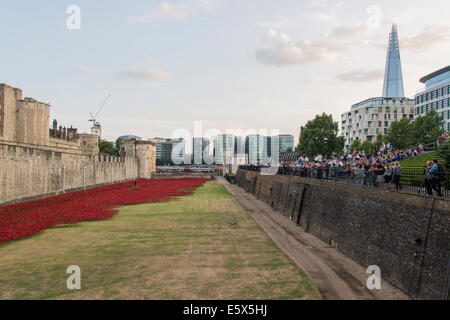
[334, 274]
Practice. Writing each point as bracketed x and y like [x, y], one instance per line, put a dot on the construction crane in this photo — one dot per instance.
[96, 127]
[93, 118]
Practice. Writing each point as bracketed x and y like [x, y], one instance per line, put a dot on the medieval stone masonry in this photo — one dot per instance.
[36, 160]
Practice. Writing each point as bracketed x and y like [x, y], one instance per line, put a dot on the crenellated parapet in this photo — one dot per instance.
[144, 152]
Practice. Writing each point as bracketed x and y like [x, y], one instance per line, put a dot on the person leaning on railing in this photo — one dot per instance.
[388, 175]
[360, 174]
[396, 173]
[379, 172]
[428, 178]
[438, 175]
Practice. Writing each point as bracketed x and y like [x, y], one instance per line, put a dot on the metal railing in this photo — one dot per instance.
[411, 180]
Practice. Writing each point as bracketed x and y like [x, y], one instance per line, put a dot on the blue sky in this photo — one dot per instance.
[230, 64]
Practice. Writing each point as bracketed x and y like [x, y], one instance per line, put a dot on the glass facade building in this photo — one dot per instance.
[261, 149]
[254, 145]
[169, 150]
[200, 150]
[223, 146]
[435, 96]
[393, 76]
[285, 142]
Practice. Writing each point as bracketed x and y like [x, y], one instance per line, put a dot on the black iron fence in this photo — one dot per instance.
[411, 180]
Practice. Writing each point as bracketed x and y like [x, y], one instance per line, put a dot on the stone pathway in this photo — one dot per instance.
[335, 275]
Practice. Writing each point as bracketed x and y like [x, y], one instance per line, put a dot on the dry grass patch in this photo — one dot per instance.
[203, 246]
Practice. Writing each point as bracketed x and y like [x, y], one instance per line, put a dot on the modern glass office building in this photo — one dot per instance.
[200, 150]
[285, 142]
[254, 145]
[258, 148]
[262, 149]
[169, 150]
[435, 95]
[223, 146]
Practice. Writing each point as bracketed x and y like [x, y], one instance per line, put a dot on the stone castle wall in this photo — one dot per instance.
[372, 226]
[36, 161]
[28, 171]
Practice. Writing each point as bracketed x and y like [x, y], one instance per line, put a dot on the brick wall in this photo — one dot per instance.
[374, 227]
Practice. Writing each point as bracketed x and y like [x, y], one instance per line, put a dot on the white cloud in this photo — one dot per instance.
[327, 12]
[271, 35]
[150, 74]
[320, 16]
[283, 51]
[171, 11]
[168, 11]
[432, 36]
[326, 4]
[145, 75]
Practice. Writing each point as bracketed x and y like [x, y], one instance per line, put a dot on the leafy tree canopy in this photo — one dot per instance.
[107, 147]
[119, 143]
[400, 134]
[424, 130]
[427, 129]
[320, 136]
[444, 153]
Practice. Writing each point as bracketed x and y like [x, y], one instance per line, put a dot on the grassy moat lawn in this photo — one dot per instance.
[201, 246]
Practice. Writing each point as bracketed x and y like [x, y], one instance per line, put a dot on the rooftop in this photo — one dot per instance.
[379, 101]
[435, 74]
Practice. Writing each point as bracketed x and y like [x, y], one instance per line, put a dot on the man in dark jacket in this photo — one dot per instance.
[438, 175]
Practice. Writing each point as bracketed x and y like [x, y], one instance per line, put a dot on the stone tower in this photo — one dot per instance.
[32, 122]
[144, 156]
[88, 143]
[8, 98]
[144, 152]
[23, 120]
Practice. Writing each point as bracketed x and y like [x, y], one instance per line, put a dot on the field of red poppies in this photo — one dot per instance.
[27, 218]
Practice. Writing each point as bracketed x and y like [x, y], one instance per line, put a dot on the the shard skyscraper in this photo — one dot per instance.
[393, 77]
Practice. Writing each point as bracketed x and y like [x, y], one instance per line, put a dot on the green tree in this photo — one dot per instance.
[406, 133]
[356, 146]
[164, 162]
[444, 153]
[427, 129]
[380, 140]
[118, 144]
[368, 147]
[400, 134]
[107, 147]
[320, 136]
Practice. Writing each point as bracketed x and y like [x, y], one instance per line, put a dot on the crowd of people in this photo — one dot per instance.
[434, 175]
[380, 168]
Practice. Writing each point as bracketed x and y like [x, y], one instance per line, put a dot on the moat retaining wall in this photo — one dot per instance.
[372, 226]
